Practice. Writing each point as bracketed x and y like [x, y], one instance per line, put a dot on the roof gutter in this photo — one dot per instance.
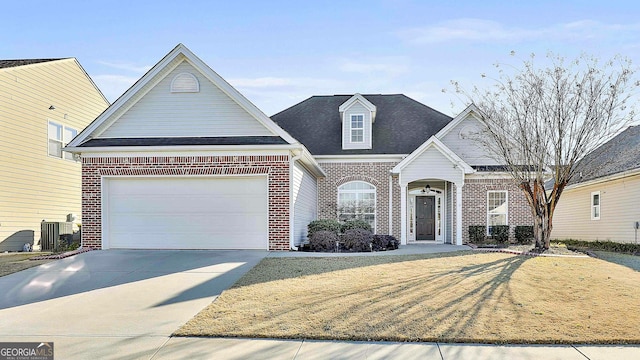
[615, 176]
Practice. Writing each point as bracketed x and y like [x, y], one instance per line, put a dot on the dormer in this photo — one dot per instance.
[358, 115]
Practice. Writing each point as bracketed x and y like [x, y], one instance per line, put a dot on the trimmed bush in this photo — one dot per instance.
[324, 241]
[357, 240]
[625, 248]
[500, 233]
[323, 225]
[355, 224]
[523, 234]
[384, 242]
[477, 233]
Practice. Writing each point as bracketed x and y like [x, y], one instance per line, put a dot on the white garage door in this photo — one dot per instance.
[186, 213]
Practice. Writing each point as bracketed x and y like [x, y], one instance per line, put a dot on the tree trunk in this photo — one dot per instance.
[542, 230]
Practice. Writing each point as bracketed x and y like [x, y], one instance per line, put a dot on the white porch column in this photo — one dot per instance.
[403, 214]
[459, 213]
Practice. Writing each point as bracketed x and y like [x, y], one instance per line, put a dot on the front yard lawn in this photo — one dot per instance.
[454, 297]
[14, 262]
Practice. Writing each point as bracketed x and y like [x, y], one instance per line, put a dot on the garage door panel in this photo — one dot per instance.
[187, 213]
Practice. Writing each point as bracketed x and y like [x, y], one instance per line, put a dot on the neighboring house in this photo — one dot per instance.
[44, 103]
[601, 202]
[182, 160]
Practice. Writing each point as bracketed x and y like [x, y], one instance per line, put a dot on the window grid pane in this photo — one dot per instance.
[356, 200]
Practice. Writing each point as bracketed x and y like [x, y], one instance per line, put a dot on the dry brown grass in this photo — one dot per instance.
[459, 297]
[14, 262]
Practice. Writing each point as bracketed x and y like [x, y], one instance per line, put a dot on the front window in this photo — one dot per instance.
[357, 200]
[497, 208]
[357, 128]
[595, 205]
[59, 137]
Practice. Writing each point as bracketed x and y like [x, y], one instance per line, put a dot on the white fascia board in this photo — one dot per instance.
[458, 119]
[310, 163]
[124, 98]
[360, 158]
[442, 148]
[357, 97]
[180, 49]
[177, 148]
[612, 177]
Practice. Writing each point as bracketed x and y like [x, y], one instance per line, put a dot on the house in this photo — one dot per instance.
[182, 160]
[44, 103]
[601, 201]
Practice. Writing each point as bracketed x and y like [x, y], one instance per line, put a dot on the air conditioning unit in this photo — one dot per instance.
[52, 232]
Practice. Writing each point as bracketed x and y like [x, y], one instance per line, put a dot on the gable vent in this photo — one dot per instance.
[185, 82]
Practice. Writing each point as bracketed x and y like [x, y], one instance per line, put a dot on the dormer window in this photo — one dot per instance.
[357, 128]
[358, 115]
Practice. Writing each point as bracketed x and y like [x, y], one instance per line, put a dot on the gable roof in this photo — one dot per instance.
[21, 62]
[433, 142]
[156, 73]
[458, 119]
[359, 98]
[620, 154]
[402, 124]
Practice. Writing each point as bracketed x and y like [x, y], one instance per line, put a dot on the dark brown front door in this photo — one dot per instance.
[425, 218]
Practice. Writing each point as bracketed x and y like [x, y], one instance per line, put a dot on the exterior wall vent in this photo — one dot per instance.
[185, 82]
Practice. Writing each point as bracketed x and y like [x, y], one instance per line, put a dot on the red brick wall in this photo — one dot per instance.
[474, 204]
[375, 173]
[275, 166]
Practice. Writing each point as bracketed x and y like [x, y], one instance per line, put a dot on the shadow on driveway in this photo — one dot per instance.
[108, 268]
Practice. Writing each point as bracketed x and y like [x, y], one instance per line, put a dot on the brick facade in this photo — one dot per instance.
[375, 173]
[275, 166]
[474, 204]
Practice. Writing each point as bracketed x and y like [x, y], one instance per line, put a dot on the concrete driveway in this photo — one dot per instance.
[116, 304]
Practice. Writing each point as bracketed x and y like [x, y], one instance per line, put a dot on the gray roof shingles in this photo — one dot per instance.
[622, 153]
[181, 141]
[401, 124]
[22, 62]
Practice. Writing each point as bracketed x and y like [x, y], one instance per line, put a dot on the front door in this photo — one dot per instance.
[425, 218]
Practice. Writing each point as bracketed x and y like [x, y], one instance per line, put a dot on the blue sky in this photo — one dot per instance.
[278, 53]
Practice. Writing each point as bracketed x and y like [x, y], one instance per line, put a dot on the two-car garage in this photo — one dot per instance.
[175, 212]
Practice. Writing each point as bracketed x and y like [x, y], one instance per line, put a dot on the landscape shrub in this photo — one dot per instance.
[355, 224]
[323, 240]
[357, 240]
[323, 225]
[477, 233]
[500, 233]
[524, 234]
[626, 248]
[384, 242]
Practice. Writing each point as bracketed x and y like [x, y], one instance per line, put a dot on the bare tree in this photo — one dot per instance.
[542, 120]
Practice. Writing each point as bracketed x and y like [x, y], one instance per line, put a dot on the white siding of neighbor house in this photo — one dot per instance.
[431, 164]
[619, 210]
[33, 185]
[355, 109]
[466, 148]
[207, 113]
[305, 202]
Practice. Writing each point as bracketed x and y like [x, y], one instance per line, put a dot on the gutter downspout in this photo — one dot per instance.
[292, 161]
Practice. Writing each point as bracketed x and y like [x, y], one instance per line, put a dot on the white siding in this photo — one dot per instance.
[466, 148]
[355, 109]
[305, 202]
[431, 164]
[619, 210]
[207, 113]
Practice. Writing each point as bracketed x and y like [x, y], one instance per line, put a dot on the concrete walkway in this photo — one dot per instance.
[231, 349]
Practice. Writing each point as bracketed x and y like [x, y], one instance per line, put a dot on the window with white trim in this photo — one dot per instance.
[58, 137]
[357, 200]
[595, 205]
[357, 128]
[497, 209]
